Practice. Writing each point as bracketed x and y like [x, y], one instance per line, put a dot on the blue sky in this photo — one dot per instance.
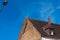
[12, 16]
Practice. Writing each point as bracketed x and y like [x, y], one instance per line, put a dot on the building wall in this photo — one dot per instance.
[31, 33]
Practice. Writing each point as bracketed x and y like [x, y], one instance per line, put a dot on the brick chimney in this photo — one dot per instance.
[48, 20]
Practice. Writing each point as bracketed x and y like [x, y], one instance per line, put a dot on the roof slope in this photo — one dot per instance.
[39, 24]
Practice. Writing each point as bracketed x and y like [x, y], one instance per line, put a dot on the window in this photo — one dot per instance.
[51, 32]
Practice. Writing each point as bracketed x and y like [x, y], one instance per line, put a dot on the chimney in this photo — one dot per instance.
[48, 20]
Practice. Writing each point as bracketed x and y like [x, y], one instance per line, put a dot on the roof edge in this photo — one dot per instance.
[43, 21]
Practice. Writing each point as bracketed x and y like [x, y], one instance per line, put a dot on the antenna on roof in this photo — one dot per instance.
[48, 20]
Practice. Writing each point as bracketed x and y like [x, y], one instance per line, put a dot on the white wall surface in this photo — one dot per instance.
[49, 39]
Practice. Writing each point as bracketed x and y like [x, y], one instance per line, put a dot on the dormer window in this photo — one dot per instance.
[51, 32]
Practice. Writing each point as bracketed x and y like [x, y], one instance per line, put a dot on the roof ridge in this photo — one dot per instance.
[43, 21]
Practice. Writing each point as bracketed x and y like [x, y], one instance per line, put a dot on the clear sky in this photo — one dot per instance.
[12, 16]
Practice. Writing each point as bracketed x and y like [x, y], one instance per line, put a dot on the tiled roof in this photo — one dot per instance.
[39, 24]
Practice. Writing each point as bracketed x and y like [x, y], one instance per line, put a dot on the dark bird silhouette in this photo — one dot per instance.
[5, 2]
[3, 5]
